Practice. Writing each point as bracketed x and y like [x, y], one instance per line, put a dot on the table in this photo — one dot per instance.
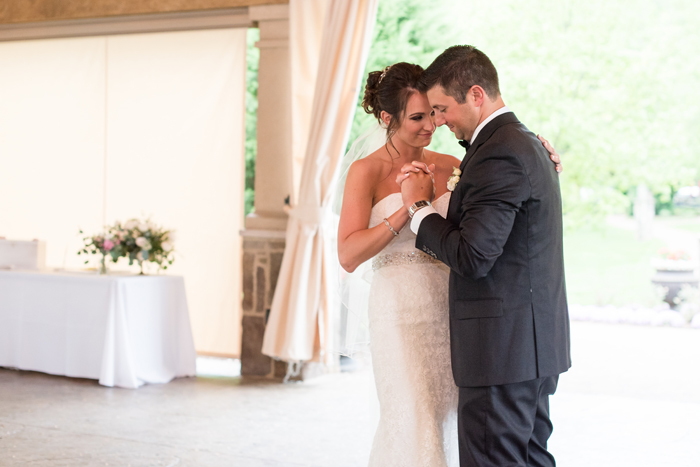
[121, 330]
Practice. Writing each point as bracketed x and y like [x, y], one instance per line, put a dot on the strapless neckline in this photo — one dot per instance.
[399, 193]
[405, 241]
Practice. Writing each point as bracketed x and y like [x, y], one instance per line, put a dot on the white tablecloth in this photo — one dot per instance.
[121, 330]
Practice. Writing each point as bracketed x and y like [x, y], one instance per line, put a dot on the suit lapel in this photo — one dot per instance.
[485, 134]
[481, 138]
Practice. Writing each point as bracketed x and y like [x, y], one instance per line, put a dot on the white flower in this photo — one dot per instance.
[454, 179]
[130, 224]
[167, 246]
[141, 241]
[171, 236]
[143, 227]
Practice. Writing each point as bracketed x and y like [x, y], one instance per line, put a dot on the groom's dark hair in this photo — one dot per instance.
[459, 68]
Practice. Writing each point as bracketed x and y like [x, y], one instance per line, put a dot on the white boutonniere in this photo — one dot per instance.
[454, 179]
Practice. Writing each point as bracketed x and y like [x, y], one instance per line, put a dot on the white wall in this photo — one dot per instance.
[99, 129]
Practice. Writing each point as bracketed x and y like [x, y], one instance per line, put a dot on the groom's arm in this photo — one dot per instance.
[494, 189]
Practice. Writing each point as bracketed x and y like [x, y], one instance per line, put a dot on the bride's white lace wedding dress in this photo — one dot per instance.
[410, 348]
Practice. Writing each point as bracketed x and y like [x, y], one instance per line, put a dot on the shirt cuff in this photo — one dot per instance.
[419, 216]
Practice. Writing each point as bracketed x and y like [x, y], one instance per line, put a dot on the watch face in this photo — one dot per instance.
[416, 206]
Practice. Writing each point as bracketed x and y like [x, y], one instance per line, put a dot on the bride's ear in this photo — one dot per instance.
[386, 118]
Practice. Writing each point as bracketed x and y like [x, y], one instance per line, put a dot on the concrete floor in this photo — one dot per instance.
[632, 399]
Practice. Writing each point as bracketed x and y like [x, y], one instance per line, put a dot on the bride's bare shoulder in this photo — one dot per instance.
[369, 168]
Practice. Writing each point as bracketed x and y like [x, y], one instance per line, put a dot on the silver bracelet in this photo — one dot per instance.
[386, 221]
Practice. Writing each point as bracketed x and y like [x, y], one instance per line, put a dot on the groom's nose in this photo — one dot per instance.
[439, 119]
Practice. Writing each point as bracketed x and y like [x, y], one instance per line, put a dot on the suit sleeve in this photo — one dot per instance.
[496, 186]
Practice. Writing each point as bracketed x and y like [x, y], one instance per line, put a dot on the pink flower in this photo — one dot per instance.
[108, 245]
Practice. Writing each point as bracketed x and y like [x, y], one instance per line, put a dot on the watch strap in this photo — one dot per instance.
[417, 206]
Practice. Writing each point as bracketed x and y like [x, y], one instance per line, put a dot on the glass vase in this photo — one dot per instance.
[103, 265]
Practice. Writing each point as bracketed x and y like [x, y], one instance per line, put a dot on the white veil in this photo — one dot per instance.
[353, 288]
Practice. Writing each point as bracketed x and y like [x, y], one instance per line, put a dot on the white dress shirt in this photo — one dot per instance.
[426, 211]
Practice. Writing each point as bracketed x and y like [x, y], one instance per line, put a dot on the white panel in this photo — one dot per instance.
[175, 153]
[52, 142]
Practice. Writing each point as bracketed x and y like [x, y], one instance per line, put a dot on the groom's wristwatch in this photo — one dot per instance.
[417, 206]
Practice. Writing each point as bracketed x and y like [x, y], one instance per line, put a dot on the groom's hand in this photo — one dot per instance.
[416, 183]
[414, 167]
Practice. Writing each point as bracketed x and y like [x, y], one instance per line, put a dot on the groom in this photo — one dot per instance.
[502, 240]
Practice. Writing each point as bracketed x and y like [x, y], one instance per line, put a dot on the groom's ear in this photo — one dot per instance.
[476, 95]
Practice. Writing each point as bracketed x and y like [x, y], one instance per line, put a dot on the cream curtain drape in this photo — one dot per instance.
[99, 129]
[306, 18]
[299, 325]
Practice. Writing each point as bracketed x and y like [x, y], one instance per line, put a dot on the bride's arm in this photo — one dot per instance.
[356, 242]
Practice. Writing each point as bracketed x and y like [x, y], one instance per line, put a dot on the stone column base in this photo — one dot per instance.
[262, 258]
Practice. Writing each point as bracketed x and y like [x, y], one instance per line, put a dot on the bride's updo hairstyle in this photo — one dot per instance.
[388, 90]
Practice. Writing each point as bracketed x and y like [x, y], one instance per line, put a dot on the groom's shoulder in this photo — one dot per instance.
[515, 137]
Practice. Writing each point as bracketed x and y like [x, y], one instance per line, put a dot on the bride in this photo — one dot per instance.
[408, 307]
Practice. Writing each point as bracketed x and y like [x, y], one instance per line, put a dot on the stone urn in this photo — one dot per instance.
[673, 274]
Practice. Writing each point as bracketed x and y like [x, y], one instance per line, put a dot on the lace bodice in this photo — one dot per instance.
[410, 347]
[406, 240]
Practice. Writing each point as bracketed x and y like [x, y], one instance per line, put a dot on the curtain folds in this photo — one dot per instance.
[306, 19]
[299, 326]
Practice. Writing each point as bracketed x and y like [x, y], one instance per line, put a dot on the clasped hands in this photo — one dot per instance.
[417, 182]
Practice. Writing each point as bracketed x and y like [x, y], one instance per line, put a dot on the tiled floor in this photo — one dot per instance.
[632, 399]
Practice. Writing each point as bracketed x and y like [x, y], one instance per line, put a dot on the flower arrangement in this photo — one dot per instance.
[674, 255]
[673, 260]
[109, 244]
[454, 179]
[138, 241]
[145, 242]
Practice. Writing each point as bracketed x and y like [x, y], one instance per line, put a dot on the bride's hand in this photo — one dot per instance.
[552, 154]
[414, 167]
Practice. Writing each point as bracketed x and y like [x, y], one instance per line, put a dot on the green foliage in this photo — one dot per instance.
[411, 31]
[251, 119]
[613, 85]
[607, 265]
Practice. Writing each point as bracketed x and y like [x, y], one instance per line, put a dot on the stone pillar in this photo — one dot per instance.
[644, 210]
[273, 165]
[264, 234]
[262, 258]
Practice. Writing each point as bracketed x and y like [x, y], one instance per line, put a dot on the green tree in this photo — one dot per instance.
[411, 31]
[251, 110]
[613, 85]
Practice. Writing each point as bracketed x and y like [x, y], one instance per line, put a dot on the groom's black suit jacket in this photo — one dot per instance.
[502, 240]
